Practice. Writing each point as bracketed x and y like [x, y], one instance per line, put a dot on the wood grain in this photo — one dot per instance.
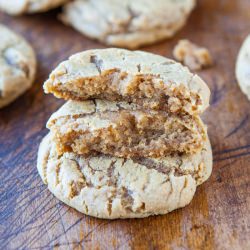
[217, 218]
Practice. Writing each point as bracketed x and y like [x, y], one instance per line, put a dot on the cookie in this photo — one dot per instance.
[243, 67]
[148, 80]
[17, 66]
[18, 7]
[109, 187]
[192, 55]
[128, 23]
[123, 130]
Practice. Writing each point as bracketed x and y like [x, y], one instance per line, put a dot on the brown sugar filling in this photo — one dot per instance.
[128, 134]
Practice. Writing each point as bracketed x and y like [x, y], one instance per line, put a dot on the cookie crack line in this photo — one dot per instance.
[177, 171]
[98, 63]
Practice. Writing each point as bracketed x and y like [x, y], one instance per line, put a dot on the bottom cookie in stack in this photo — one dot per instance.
[110, 187]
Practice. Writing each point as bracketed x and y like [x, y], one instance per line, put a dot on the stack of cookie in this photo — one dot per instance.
[129, 142]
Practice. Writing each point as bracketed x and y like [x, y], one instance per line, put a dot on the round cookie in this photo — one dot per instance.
[17, 66]
[128, 23]
[110, 187]
[18, 7]
[243, 67]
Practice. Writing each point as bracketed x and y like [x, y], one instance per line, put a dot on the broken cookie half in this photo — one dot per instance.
[109, 187]
[124, 130]
[151, 81]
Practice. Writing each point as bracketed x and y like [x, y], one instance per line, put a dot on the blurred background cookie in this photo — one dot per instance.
[128, 23]
[18, 7]
[243, 67]
[17, 66]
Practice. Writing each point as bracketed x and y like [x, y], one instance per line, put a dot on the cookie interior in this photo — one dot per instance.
[148, 91]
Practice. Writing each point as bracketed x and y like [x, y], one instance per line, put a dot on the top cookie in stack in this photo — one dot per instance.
[151, 81]
[129, 142]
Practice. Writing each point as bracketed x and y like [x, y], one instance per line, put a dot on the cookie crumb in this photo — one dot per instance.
[192, 55]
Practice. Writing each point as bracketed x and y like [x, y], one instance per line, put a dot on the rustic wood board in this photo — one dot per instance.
[217, 218]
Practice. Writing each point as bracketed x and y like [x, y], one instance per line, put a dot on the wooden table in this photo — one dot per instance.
[217, 218]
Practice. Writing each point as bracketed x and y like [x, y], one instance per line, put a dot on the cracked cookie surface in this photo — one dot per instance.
[128, 23]
[243, 67]
[17, 66]
[123, 130]
[149, 80]
[110, 187]
[18, 7]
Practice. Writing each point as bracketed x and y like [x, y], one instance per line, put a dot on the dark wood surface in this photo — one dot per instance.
[217, 218]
